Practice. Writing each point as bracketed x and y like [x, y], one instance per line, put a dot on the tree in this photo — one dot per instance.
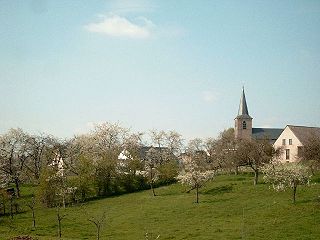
[151, 163]
[310, 153]
[108, 140]
[288, 175]
[41, 153]
[14, 152]
[60, 218]
[158, 140]
[80, 162]
[222, 151]
[255, 153]
[98, 222]
[173, 142]
[32, 205]
[195, 174]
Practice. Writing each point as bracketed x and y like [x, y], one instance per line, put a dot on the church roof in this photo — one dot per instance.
[266, 133]
[243, 108]
[304, 133]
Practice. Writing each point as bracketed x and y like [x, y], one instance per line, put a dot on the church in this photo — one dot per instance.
[291, 138]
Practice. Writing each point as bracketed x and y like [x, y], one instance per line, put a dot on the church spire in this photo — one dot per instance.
[243, 122]
[243, 108]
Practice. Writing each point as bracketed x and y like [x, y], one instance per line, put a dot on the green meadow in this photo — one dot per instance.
[230, 208]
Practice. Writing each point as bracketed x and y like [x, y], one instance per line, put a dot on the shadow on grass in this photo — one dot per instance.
[219, 190]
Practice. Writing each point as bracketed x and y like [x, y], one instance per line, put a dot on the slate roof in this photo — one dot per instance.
[243, 108]
[270, 133]
[304, 133]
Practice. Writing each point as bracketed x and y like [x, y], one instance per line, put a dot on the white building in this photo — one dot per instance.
[292, 139]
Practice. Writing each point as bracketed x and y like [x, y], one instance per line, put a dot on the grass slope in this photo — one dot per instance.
[230, 208]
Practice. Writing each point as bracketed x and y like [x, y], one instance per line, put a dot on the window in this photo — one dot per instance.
[244, 125]
[290, 141]
[283, 142]
[287, 154]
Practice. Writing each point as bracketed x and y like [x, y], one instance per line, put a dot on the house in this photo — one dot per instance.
[292, 140]
[243, 125]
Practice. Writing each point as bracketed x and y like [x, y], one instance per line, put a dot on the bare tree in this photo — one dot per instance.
[32, 205]
[98, 222]
[196, 145]
[174, 142]
[41, 151]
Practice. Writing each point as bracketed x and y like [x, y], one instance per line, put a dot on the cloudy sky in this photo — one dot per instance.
[164, 64]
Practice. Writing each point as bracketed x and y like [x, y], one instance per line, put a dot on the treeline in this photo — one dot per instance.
[111, 160]
[108, 160]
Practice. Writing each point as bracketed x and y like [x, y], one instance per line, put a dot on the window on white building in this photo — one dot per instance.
[290, 141]
[283, 142]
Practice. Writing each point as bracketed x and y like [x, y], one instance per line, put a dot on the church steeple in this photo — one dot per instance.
[243, 108]
[243, 122]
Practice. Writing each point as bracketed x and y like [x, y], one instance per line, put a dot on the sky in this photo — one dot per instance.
[167, 65]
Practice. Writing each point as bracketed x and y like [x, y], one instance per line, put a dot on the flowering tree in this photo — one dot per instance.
[151, 172]
[283, 176]
[14, 152]
[194, 174]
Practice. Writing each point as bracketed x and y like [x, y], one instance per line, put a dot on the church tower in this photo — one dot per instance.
[243, 122]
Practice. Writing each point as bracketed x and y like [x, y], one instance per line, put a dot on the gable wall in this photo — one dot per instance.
[288, 134]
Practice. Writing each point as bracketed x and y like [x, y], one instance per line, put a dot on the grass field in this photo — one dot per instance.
[230, 208]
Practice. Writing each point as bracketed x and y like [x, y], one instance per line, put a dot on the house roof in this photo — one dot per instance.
[270, 133]
[304, 133]
[243, 108]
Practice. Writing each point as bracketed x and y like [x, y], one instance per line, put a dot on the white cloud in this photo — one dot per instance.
[116, 26]
[209, 96]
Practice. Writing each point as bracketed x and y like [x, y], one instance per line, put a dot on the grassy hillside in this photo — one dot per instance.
[230, 208]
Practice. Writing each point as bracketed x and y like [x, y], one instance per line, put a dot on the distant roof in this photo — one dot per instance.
[243, 108]
[304, 133]
[271, 134]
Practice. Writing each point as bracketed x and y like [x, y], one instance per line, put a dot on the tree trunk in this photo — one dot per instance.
[59, 229]
[98, 232]
[236, 172]
[294, 192]
[33, 219]
[11, 207]
[17, 183]
[152, 188]
[197, 190]
[256, 176]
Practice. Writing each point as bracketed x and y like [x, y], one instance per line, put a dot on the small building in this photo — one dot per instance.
[292, 140]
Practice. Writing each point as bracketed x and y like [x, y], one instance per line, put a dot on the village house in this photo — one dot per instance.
[291, 139]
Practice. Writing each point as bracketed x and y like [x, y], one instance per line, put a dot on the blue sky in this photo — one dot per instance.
[158, 64]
